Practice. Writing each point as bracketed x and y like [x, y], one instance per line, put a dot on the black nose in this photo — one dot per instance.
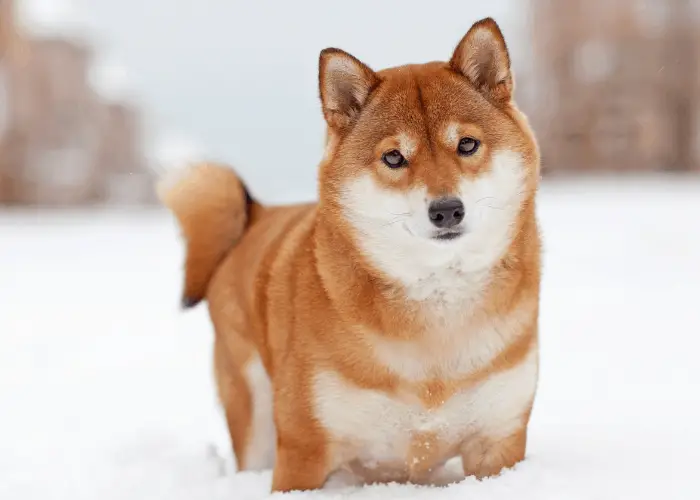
[446, 212]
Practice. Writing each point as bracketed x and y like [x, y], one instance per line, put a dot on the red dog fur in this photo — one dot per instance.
[394, 323]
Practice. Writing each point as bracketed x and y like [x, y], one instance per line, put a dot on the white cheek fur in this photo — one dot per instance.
[393, 229]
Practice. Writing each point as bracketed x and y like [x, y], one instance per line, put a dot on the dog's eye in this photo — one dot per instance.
[393, 159]
[467, 146]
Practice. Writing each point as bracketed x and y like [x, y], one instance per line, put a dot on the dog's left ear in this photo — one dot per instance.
[482, 57]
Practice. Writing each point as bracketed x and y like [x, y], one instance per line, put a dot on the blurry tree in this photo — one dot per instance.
[616, 84]
[60, 142]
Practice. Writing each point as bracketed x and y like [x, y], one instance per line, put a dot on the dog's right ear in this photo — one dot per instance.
[344, 83]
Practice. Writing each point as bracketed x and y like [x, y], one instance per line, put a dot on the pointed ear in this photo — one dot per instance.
[482, 57]
[345, 83]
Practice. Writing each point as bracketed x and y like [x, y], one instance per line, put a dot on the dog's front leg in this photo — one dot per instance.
[300, 465]
[484, 456]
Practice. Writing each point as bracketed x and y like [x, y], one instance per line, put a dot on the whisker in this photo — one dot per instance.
[524, 192]
[488, 206]
[399, 217]
[392, 222]
[484, 198]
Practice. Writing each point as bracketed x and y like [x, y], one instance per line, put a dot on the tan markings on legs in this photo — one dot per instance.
[483, 457]
[300, 465]
[235, 397]
[426, 461]
[423, 454]
[260, 446]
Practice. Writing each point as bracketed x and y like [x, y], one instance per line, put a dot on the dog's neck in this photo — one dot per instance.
[457, 285]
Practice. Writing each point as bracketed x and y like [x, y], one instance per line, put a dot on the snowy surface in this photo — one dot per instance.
[106, 389]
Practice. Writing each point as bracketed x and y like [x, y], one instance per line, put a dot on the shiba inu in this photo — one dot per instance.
[392, 326]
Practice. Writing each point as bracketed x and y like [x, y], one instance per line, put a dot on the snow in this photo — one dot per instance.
[54, 17]
[106, 388]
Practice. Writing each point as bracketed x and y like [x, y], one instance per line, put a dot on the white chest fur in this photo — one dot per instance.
[380, 428]
[393, 231]
[452, 354]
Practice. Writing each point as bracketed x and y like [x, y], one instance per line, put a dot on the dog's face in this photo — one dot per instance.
[428, 162]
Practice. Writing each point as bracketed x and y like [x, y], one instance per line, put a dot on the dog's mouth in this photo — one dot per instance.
[447, 235]
[444, 235]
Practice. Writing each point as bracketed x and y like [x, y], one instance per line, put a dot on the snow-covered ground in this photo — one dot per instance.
[106, 389]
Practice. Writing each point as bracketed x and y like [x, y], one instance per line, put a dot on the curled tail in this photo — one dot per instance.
[212, 207]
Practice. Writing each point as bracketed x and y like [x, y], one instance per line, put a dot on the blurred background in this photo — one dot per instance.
[106, 389]
[98, 96]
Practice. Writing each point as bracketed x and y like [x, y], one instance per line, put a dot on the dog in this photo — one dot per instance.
[393, 325]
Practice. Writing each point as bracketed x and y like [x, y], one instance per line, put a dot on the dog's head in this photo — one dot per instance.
[427, 162]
